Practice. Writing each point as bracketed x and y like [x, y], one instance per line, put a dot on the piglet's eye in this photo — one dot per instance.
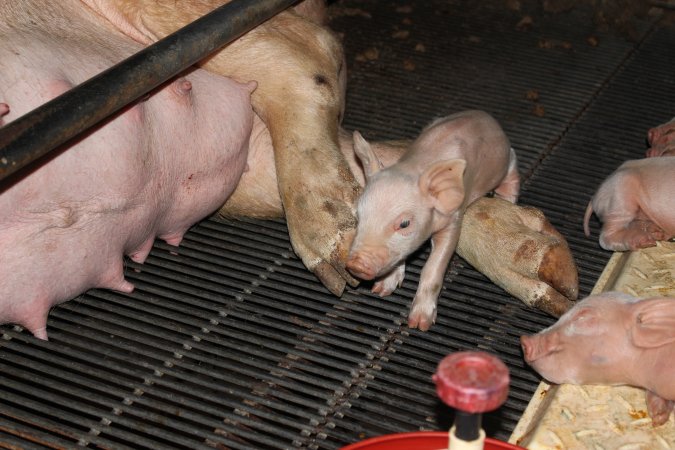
[405, 223]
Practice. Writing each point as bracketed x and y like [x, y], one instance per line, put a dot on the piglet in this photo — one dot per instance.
[636, 205]
[662, 140]
[612, 339]
[454, 161]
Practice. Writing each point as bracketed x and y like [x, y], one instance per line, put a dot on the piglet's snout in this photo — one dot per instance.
[367, 261]
[361, 266]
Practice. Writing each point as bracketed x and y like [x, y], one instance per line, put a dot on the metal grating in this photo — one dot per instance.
[228, 342]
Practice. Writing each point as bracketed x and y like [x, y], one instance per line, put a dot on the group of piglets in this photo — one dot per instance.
[614, 338]
[154, 173]
[610, 338]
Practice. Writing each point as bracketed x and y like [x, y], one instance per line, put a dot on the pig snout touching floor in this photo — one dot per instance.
[454, 161]
[612, 339]
[636, 205]
[152, 170]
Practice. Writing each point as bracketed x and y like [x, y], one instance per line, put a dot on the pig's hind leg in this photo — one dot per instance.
[617, 235]
[624, 224]
[509, 189]
[659, 408]
[662, 140]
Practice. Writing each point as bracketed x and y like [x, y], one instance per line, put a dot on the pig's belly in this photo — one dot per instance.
[154, 170]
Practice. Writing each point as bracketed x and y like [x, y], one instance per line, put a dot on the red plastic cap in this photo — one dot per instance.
[474, 382]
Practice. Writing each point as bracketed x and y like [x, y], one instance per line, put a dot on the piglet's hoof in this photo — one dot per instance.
[659, 408]
[422, 314]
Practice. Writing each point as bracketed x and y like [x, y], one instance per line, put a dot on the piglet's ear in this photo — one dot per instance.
[371, 164]
[653, 322]
[443, 184]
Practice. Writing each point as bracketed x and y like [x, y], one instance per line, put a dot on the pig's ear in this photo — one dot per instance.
[443, 184]
[653, 322]
[370, 162]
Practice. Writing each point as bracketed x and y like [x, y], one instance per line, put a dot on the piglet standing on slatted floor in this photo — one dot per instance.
[455, 161]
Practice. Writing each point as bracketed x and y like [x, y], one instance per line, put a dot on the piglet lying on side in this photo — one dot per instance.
[613, 339]
[636, 205]
[455, 161]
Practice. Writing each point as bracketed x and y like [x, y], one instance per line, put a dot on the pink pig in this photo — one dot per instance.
[612, 339]
[454, 161]
[4, 110]
[636, 205]
[662, 139]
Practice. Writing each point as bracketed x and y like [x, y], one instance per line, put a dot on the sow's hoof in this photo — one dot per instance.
[321, 224]
[519, 250]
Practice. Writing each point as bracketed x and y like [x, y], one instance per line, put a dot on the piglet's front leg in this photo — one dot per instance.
[423, 310]
[388, 284]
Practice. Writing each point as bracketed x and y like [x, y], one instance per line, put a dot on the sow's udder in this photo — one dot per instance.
[154, 170]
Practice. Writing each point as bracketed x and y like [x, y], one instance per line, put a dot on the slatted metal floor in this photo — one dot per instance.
[228, 342]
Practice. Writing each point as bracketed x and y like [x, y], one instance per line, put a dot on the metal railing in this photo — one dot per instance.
[54, 123]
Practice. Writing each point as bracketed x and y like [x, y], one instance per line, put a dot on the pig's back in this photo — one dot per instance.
[472, 135]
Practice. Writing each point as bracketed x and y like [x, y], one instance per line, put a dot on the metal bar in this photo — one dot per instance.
[40, 131]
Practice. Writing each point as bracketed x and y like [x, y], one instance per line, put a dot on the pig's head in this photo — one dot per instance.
[398, 210]
[603, 339]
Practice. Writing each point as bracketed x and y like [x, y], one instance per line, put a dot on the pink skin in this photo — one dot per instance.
[662, 140]
[4, 110]
[153, 170]
[612, 339]
[454, 161]
[636, 205]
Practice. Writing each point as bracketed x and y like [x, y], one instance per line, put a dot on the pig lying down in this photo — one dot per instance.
[515, 246]
[153, 170]
[299, 66]
[65, 226]
[612, 339]
[636, 205]
[455, 161]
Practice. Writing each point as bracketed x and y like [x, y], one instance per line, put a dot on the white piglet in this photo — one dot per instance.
[455, 160]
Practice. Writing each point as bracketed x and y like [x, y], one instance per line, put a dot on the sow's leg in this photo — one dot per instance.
[300, 96]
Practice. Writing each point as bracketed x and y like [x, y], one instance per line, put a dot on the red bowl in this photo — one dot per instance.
[420, 440]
